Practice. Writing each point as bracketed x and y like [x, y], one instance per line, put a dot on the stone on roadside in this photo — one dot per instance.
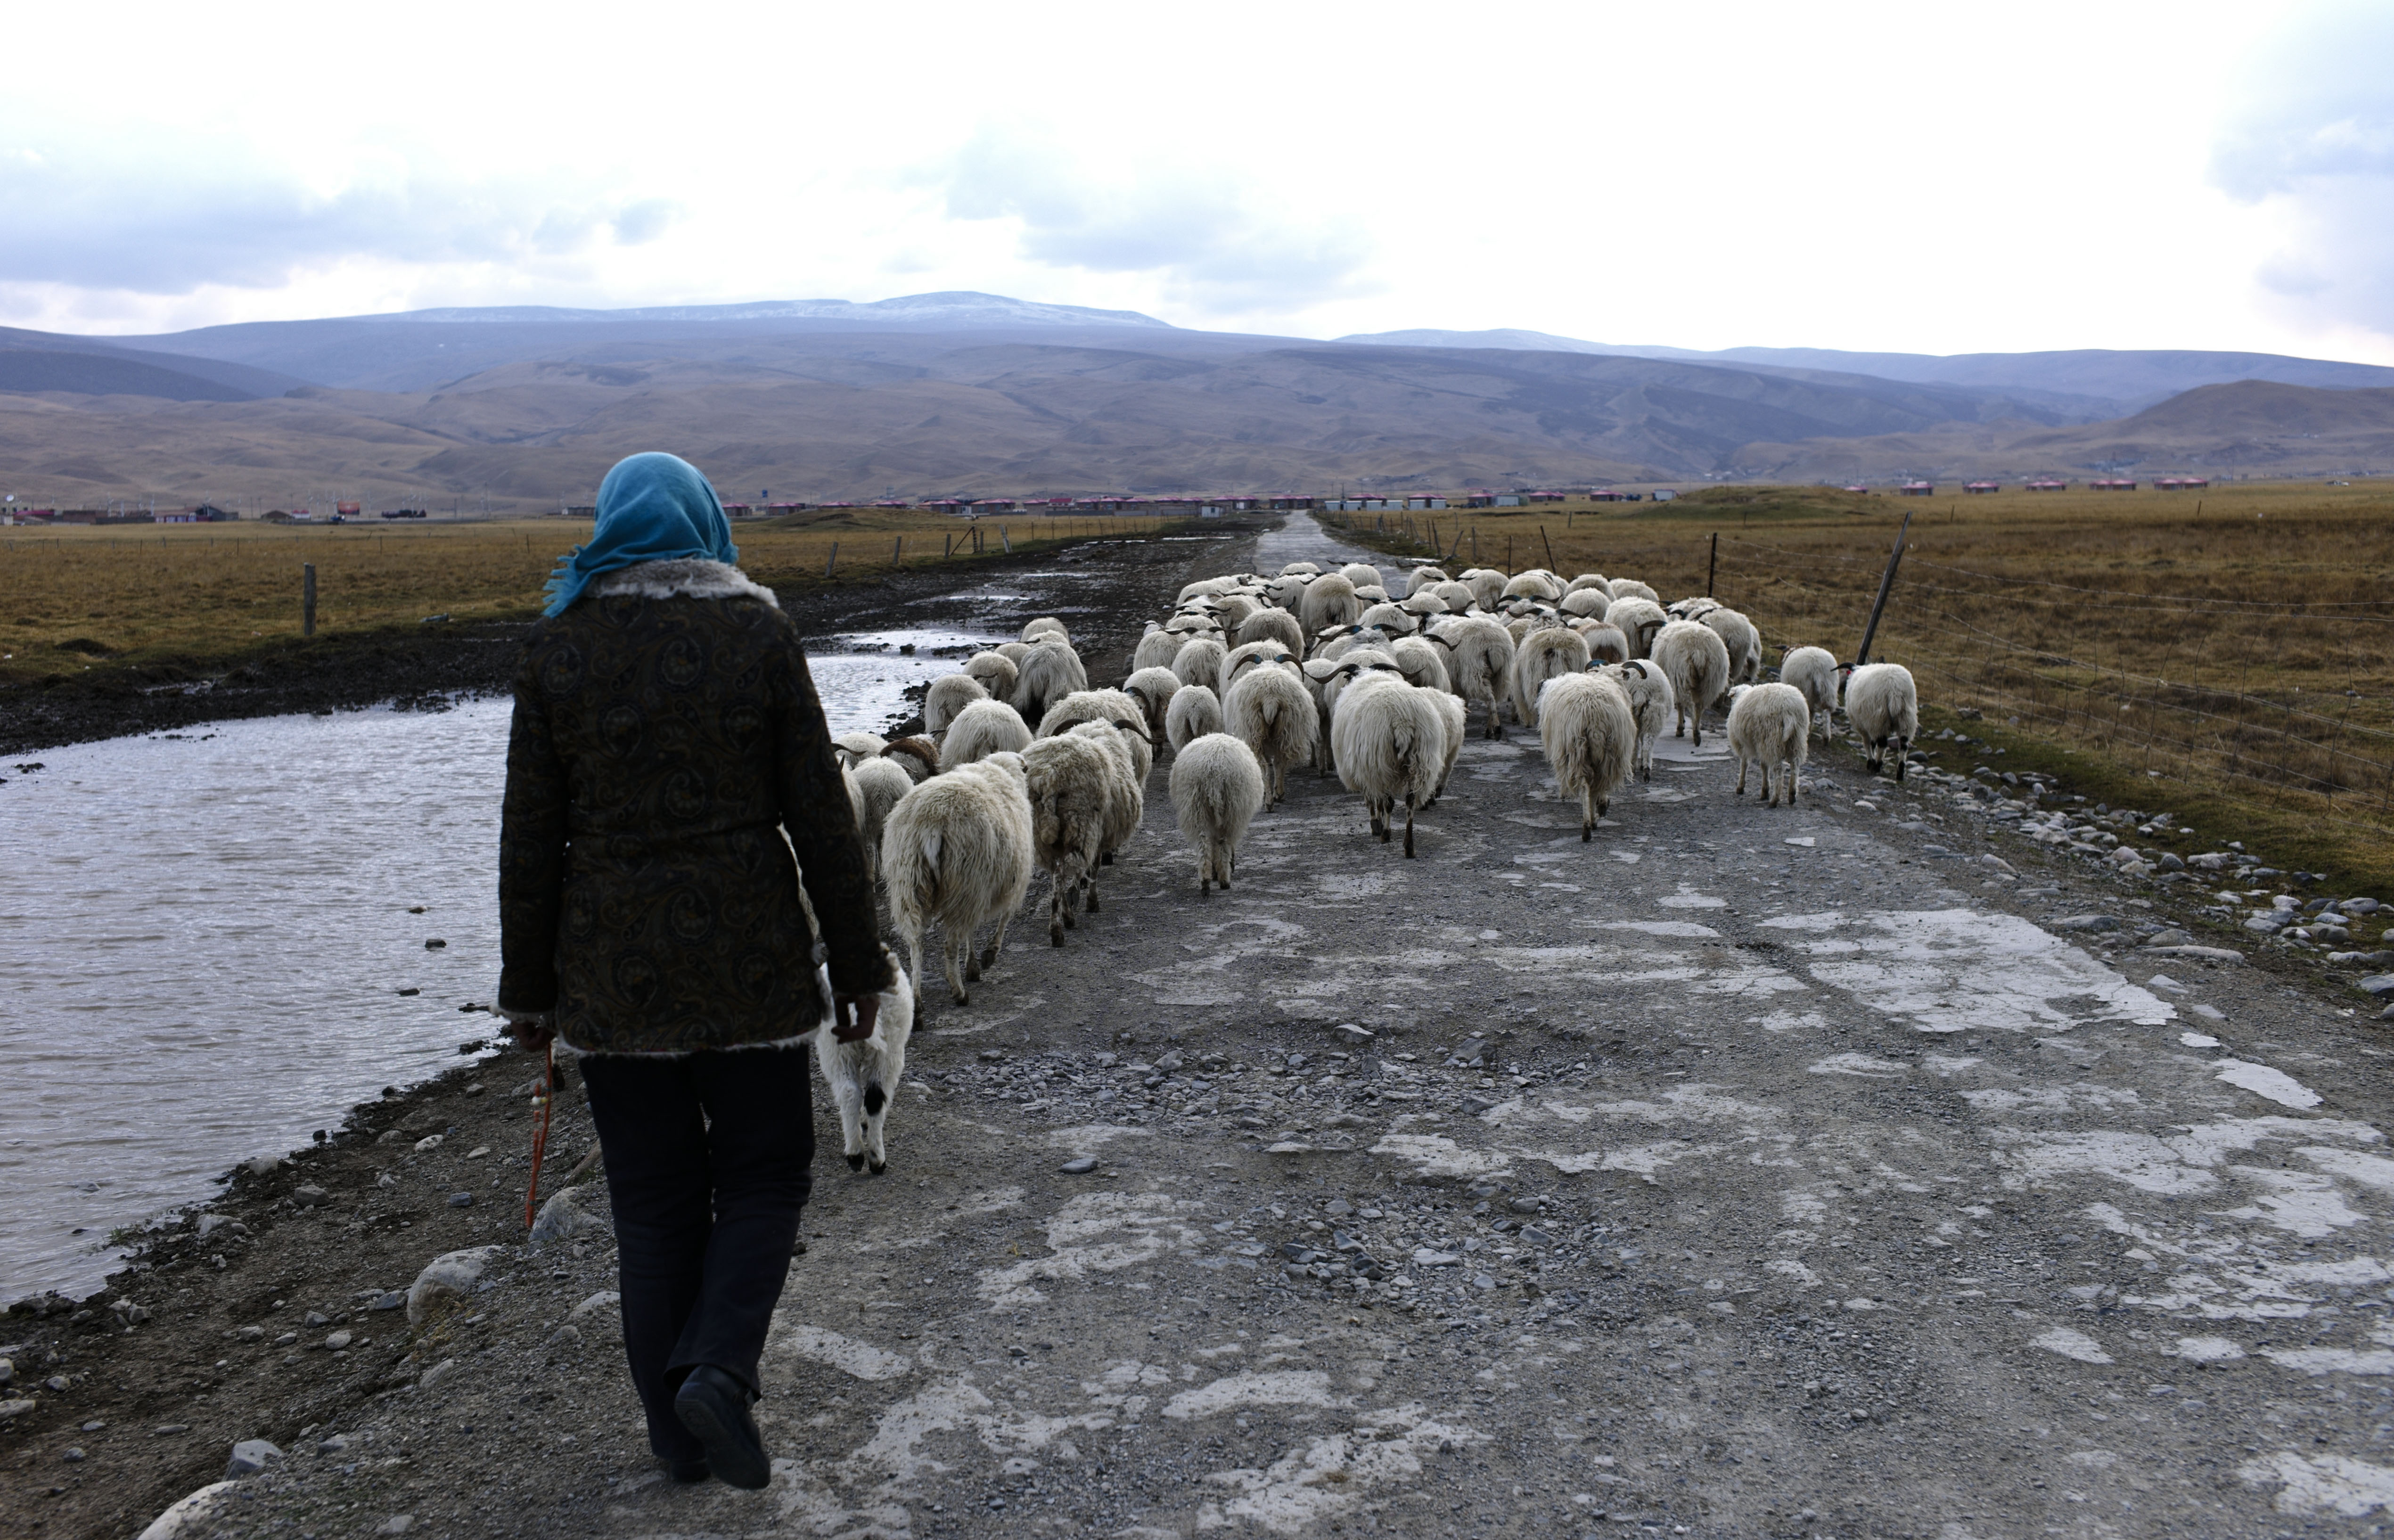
[461, 1200]
[11, 1409]
[564, 1217]
[603, 1299]
[449, 1276]
[338, 1340]
[434, 1376]
[2089, 923]
[2171, 937]
[334, 1445]
[2379, 984]
[249, 1457]
[1080, 1166]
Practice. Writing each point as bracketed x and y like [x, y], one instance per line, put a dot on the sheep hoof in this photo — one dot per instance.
[989, 955]
[960, 997]
[972, 970]
[856, 1162]
[1055, 935]
[879, 1167]
[1093, 900]
[1106, 860]
[1586, 833]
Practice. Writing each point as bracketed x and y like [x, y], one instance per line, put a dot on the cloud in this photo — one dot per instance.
[1215, 239]
[2310, 139]
[177, 220]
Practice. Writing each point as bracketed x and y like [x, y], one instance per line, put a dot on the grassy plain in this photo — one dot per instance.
[192, 598]
[2226, 655]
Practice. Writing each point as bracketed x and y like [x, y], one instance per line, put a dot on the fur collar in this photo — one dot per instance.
[683, 577]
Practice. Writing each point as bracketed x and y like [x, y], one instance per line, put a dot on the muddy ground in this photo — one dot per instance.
[1741, 1172]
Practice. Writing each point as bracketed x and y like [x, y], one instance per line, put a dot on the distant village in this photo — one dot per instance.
[1126, 504]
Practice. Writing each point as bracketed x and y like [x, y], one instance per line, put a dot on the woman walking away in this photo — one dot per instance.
[666, 734]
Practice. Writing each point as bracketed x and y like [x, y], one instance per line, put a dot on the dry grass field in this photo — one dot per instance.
[2226, 654]
[199, 597]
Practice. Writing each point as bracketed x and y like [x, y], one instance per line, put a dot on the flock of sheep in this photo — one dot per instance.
[1251, 676]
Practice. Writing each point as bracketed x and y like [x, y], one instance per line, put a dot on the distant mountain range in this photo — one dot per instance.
[979, 393]
[2114, 382]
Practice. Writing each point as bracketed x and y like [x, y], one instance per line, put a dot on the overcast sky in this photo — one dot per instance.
[1934, 179]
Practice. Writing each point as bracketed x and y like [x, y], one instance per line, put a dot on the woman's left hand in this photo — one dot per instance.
[852, 1016]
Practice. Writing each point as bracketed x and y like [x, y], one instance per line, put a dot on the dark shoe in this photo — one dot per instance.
[690, 1470]
[714, 1406]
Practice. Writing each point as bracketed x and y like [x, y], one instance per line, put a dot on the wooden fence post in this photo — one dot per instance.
[1004, 541]
[1712, 565]
[1894, 559]
[307, 599]
[898, 551]
[1550, 551]
[833, 560]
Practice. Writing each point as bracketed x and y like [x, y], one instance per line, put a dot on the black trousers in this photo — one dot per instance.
[707, 1171]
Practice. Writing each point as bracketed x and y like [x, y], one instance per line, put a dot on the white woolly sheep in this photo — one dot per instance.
[1450, 711]
[1629, 587]
[1299, 569]
[1479, 662]
[1125, 793]
[1194, 712]
[1605, 643]
[1813, 670]
[1544, 654]
[1271, 625]
[1591, 742]
[920, 757]
[1199, 662]
[1050, 671]
[1270, 711]
[1286, 591]
[1650, 701]
[1394, 619]
[1253, 654]
[1693, 658]
[980, 729]
[1013, 651]
[957, 852]
[1883, 707]
[1153, 689]
[1328, 600]
[1535, 583]
[1232, 610]
[947, 695]
[1389, 742]
[1590, 602]
[1046, 625]
[1070, 780]
[1339, 640]
[1586, 581]
[1110, 707]
[1745, 643]
[873, 787]
[1694, 607]
[1769, 725]
[1421, 606]
[1422, 576]
[1636, 619]
[1217, 790]
[1156, 648]
[856, 747]
[864, 1077]
[1361, 575]
[993, 672]
[1422, 662]
[1485, 586]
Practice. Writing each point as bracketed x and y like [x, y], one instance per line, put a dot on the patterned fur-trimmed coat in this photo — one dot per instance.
[666, 734]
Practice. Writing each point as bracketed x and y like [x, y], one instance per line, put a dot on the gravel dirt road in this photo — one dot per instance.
[1741, 1172]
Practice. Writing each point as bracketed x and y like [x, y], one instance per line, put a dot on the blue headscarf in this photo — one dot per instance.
[652, 507]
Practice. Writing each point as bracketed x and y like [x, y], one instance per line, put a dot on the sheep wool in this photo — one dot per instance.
[1328, 600]
[1813, 670]
[1070, 782]
[1269, 710]
[1388, 741]
[957, 852]
[1273, 625]
[1883, 707]
[949, 694]
[1155, 650]
[1771, 726]
[1216, 788]
[1050, 671]
[1194, 712]
[1696, 661]
[980, 729]
[1637, 619]
[1544, 654]
[1590, 738]
[995, 672]
[1737, 634]
[1649, 703]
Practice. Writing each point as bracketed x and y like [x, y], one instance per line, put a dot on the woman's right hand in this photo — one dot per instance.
[532, 1033]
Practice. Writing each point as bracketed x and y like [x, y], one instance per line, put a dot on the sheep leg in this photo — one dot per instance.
[1409, 826]
[914, 934]
[1740, 776]
[1678, 721]
[1055, 909]
[1092, 883]
[1791, 784]
[952, 951]
[996, 942]
[972, 960]
[1222, 865]
[1902, 753]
